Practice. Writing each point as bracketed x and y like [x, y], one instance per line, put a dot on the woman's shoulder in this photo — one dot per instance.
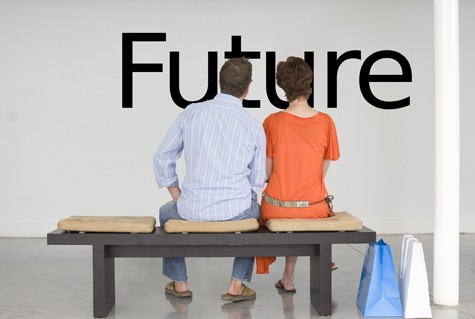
[274, 115]
[272, 118]
[326, 117]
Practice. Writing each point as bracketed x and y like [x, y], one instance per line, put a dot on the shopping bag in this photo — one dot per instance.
[413, 283]
[378, 292]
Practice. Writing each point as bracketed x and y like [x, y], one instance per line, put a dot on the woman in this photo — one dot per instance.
[301, 142]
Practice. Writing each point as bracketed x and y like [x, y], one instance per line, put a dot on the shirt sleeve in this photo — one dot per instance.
[268, 129]
[257, 166]
[332, 152]
[168, 152]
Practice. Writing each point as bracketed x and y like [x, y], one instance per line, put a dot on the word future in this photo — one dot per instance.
[334, 62]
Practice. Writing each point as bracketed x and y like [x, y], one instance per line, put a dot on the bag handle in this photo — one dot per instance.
[408, 240]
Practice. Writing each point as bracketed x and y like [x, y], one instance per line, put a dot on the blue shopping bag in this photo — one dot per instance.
[378, 293]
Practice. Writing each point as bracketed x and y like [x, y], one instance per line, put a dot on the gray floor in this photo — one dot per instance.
[40, 281]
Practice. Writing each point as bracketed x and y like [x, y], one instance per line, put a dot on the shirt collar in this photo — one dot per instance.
[230, 98]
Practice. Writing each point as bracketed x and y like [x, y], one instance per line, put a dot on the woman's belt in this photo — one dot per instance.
[286, 203]
[297, 203]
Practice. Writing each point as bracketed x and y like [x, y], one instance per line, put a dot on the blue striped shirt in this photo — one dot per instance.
[225, 155]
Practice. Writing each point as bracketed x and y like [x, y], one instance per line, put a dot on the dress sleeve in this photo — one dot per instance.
[269, 130]
[332, 151]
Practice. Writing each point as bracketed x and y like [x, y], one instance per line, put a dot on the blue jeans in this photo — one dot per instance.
[175, 267]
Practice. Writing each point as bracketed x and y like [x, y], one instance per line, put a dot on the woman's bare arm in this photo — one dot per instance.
[269, 163]
[325, 166]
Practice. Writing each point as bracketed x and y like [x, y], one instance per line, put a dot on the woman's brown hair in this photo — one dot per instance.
[295, 77]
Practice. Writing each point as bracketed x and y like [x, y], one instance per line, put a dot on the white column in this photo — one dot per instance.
[447, 152]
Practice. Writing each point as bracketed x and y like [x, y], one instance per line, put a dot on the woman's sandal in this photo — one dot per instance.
[280, 285]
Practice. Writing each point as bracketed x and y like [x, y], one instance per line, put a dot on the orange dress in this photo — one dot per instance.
[297, 147]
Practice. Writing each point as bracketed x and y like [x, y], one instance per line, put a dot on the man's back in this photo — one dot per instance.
[224, 150]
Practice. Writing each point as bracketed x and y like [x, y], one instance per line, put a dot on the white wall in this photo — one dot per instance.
[67, 147]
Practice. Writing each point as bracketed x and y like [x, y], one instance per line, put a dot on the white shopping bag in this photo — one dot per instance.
[413, 283]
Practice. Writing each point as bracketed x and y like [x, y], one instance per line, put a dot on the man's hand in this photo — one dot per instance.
[175, 192]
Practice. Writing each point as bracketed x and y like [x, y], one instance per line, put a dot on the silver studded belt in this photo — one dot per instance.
[296, 203]
[286, 203]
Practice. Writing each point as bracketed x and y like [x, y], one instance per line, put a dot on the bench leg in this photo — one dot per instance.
[321, 279]
[103, 281]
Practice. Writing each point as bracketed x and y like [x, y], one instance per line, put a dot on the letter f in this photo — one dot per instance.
[129, 67]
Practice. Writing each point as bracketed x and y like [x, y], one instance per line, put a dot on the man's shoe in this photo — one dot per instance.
[247, 294]
[171, 290]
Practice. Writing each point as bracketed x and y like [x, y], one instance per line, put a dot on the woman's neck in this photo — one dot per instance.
[300, 107]
[298, 103]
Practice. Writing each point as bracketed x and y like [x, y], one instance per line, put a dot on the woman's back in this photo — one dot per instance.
[298, 146]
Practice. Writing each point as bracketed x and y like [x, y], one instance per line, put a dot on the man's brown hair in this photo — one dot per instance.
[234, 76]
[295, 77]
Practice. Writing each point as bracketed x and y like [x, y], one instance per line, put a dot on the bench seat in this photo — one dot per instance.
[108, 224]
[232, 226]
[342, 221]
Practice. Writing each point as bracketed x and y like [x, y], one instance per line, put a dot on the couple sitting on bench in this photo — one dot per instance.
[229, 157]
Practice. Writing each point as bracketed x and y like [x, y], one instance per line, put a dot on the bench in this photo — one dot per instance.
[108, 246]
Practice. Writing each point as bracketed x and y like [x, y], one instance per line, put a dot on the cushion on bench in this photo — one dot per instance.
[109, 224]
[229, 226]
[342, 221]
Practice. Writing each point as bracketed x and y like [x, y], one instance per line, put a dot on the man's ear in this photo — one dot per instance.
[247, 91]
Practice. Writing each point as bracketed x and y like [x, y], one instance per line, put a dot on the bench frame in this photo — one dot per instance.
[107, 246]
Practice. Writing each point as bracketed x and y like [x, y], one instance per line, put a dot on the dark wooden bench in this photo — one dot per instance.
[107, 246]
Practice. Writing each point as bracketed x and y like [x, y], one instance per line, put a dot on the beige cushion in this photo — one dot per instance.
[106, 224]
[232, 226]
[342, 221]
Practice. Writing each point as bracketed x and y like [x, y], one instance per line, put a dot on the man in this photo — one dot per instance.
[225, 156]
